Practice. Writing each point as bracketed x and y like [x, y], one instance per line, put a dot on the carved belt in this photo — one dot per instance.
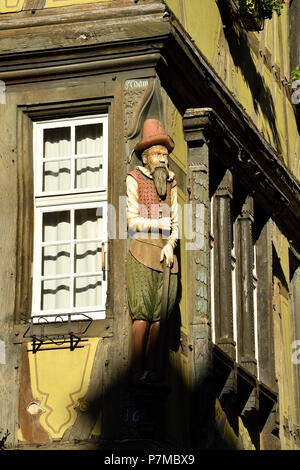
[148, 251]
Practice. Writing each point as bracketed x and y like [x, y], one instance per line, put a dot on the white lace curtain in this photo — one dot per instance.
[75, 263]
[65, 168]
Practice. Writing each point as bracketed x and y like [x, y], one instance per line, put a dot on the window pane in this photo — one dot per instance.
[88, 224]
[55, 294]
[56, 260]
[89, 172]
[88, 291]
[57, 176]
[88, 139]
[57, 142]
[56, 226]
[87, 257]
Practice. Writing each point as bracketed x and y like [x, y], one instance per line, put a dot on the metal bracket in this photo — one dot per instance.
[68, 337]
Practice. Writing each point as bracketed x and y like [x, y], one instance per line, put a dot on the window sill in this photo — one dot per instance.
[97, 329]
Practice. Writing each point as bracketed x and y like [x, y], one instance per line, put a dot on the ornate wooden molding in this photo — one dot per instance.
[198, 189]
[60, 70]
[222, 265]
[74, 13]
[265, 176]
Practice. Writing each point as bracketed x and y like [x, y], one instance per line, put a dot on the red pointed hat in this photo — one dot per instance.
[153, 134]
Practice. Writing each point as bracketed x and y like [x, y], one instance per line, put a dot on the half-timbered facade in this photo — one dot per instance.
[77, 80]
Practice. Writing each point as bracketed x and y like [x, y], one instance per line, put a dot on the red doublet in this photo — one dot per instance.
[147, 250]
[149, 200]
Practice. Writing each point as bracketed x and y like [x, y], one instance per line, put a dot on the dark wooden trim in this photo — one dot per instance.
[24, 242]
[97, 329]
[30, 427]
[244, 268]
[75, 13]
[118, 64]
[265, 325]
[198, 249]
[222, 264]
[24, 246]
[199, 351]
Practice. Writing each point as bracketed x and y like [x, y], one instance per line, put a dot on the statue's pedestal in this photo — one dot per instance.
[142, 411]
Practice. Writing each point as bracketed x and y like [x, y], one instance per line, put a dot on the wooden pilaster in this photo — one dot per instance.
[222, 265]
[265, 312]
[245, 310]
[198, 270]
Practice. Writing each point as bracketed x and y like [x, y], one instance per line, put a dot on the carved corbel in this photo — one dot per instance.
[142, 100]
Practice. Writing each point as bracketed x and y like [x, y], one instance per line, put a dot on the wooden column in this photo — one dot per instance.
[265, 308]
[222, 265]
[199, 340]
[245, 311]
[295, 304]
[266, 346]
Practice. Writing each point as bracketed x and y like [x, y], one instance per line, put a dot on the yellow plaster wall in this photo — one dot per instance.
[243, 89]
[179, 154]
[63, 3]
[241, 442]
[59, 380]
[287, 334]
[275, 50]
[263, 122]
[283, 333]
[175, 7]
[10, 6]
[202, 20]
[268, 37]
[283, 42]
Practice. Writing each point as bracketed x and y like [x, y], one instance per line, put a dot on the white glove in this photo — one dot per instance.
[167, 252]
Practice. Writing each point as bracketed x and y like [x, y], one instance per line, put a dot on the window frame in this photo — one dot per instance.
[38, 128]
[66, 200]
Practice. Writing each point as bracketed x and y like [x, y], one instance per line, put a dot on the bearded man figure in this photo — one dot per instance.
[152, 219]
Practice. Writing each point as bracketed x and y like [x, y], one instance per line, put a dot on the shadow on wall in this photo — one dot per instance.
[160, 417]
[239, 48]
[167, 418]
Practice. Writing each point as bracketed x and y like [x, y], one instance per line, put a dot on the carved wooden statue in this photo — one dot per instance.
[152, 220]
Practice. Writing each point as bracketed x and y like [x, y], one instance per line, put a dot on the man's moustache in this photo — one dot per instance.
[160, 175]
[159, 165]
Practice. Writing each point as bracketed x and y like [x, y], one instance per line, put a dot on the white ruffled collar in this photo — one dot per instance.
[146, 172]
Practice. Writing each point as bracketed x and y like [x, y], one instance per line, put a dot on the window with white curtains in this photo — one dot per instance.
[70, 229]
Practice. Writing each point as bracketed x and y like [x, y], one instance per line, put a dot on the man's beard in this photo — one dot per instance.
[160, 173]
